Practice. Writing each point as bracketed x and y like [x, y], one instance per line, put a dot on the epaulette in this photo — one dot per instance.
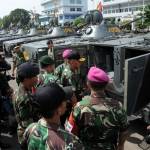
[85, 102]
[111, 102]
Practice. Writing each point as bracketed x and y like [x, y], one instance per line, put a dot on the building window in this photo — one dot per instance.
[121, 10]
[113, 11]
[66, 16]
[79, 9]
[72, 9]
[109, 11]
[105, 12]
[117, 10]
[61, 17]
[72, 17]
[79, 2]
[130, 9]
[72, 1]
[126, 9]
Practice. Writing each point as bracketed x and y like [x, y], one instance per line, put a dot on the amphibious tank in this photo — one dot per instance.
[112, 51]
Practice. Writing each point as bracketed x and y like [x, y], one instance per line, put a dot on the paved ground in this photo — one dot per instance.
[136, 130]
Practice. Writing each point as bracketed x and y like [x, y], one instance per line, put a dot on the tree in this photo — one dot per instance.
[6, 22]
[1, 23]
[20, 17]
[147, 15]
[79, 21]
[145, 21]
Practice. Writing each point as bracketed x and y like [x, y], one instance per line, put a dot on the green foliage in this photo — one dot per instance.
[126, 24]
[6, 22]
[145, 22]
[147, 15]
[79, 21]
[1, 23]
[19, 16]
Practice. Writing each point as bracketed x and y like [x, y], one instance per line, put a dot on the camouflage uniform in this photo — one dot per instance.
[45, 77]
[25, 114]
[98, 123]
[18, 59]
[59, 70]
[41, 136]
[70, 78]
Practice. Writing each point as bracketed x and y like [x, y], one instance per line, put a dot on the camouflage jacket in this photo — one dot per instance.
[41, 136]
[18, 59]
[59, 70]
[98, 123]
[70, 78]
[45, 77]
[24, 110]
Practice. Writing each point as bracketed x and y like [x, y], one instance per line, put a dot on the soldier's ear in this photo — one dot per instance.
[87, 83]
[58, 112]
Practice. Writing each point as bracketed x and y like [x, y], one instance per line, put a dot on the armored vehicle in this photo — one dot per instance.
[16, 36]
[118, 54]
[55, 32]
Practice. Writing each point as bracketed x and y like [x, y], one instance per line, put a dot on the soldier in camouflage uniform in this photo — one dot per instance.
[47, 73]
[71, 75]
[59, 70]
[47, 134]
[18, 58]
[23, 101]
[100, 122]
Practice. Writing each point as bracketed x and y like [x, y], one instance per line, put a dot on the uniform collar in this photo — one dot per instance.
[96, 97]
[51, 126]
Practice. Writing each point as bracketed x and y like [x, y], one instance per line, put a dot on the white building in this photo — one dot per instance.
[119, 8]
[123, 8]
[65, 10]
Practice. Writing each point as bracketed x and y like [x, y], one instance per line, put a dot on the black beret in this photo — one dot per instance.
[46, 60]
[49, 97]
[28, 70]
[49, 42]
[76, 56]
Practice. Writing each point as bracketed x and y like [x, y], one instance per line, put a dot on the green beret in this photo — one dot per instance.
[46, 60]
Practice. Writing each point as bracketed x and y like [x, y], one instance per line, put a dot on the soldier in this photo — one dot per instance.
[50, 48]
[71, 74]
[98, 120]
[18, 59]
[61, 67]
[71, 101]
[47, 133]
[23, 101]
[47, 66]
[4, 88]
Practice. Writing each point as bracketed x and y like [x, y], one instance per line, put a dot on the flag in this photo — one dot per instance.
[100, 6]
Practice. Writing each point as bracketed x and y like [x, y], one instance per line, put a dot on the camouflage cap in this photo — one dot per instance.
[46, 60]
